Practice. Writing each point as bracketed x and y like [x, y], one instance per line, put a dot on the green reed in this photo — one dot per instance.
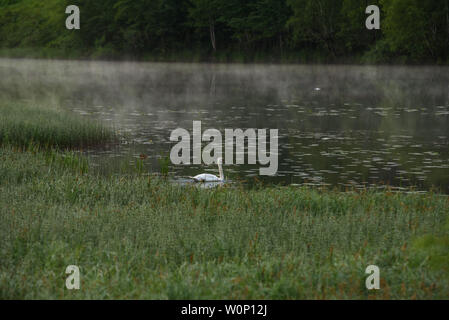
[26, 125]
[136, 236]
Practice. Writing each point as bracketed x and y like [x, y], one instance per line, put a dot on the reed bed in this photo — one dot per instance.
[23, 125]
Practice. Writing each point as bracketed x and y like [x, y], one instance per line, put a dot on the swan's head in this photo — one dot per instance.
[220, 161]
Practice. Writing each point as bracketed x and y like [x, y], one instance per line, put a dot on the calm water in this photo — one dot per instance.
[338, 125]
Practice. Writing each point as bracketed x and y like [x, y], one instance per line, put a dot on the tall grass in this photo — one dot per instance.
[142, 237]
[24, 125]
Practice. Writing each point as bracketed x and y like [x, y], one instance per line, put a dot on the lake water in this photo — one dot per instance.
[346, 126]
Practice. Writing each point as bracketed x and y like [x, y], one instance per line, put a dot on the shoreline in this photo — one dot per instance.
[351, 61]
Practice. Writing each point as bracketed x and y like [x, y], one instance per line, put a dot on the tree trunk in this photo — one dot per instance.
[212, 35]
[280, 42]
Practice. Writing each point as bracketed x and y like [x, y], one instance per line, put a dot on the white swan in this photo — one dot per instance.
[206, 177]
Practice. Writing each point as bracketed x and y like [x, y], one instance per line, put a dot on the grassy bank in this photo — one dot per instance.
[139, 236]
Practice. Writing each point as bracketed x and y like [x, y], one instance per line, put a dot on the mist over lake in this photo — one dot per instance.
[344, 126]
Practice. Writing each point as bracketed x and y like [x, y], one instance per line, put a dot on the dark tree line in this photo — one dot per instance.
[250, 30]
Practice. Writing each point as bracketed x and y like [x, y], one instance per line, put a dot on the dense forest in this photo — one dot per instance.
[411, 31]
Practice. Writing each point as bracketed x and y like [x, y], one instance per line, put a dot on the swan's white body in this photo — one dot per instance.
[207, 177]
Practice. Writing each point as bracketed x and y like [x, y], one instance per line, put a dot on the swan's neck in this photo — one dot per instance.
[220, 170]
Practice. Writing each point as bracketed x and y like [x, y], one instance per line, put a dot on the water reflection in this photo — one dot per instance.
[347, 126]
[201, 185]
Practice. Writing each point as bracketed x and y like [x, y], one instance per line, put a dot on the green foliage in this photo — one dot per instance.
[352, 36]
[286, 30]
[316, 22]
[419, 29]
[434, 251]
[204, 12]
[30, 23]
[139, 28]
[164, 164]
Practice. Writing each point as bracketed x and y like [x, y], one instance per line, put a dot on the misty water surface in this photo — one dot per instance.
[338, 125]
